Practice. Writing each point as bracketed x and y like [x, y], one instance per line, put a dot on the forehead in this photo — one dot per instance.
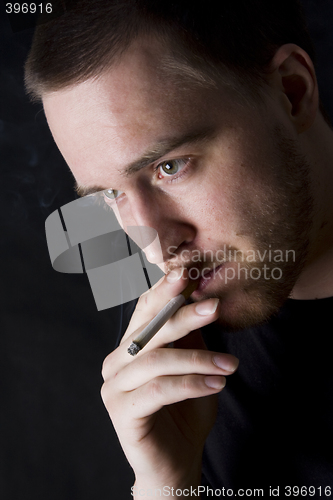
[112, 119]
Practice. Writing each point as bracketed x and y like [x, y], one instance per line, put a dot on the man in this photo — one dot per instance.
[204, 123]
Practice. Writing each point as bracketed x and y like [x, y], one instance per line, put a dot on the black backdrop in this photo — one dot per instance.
[56, 439]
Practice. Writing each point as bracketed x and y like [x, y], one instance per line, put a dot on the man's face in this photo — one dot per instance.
[222, 182]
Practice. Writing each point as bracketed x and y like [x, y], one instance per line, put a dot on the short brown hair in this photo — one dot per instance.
[238, 35]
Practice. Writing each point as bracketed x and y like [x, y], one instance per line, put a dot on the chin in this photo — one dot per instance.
[251, 306]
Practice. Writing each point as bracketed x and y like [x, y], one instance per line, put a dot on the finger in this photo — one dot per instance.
[166, 361]
[151, 302]
[166, 390]
[186, 319]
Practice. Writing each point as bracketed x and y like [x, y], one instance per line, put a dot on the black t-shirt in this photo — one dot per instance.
[275, 419]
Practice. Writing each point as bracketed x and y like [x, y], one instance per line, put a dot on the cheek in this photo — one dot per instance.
[206, 205]
[218, 216]
[123, 214]
[216, 196]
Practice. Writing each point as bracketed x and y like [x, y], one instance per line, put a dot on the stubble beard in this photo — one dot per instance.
[282, 222]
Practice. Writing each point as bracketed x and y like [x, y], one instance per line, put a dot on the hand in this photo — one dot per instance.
[163, 401]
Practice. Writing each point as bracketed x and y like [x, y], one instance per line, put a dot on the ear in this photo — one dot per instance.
[292, 73]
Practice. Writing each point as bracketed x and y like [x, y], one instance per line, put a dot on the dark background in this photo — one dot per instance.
[56, 438]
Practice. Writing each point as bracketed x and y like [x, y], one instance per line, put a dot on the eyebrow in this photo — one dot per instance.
[152, 155]
[82, 191]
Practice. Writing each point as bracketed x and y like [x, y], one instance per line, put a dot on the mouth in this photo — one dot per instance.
[207, 276]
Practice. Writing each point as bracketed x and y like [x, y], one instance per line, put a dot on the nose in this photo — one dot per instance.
[154, 222]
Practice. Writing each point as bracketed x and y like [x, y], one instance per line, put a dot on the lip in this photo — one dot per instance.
[207, 277]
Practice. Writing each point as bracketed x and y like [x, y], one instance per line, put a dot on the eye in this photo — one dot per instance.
[112, 194]
[171, 167]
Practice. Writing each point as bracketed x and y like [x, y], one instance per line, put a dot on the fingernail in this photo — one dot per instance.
[175, 275]
[225, 363]
[215, 382]
[206, 308]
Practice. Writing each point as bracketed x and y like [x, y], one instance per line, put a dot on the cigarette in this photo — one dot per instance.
[160, 319]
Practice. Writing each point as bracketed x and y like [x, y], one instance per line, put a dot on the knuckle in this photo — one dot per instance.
[155, 389]
[106, 365]
[108, 398]
[196, 358]
[104, 394]
[186, 383]
[142, 300]
[151, 359]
